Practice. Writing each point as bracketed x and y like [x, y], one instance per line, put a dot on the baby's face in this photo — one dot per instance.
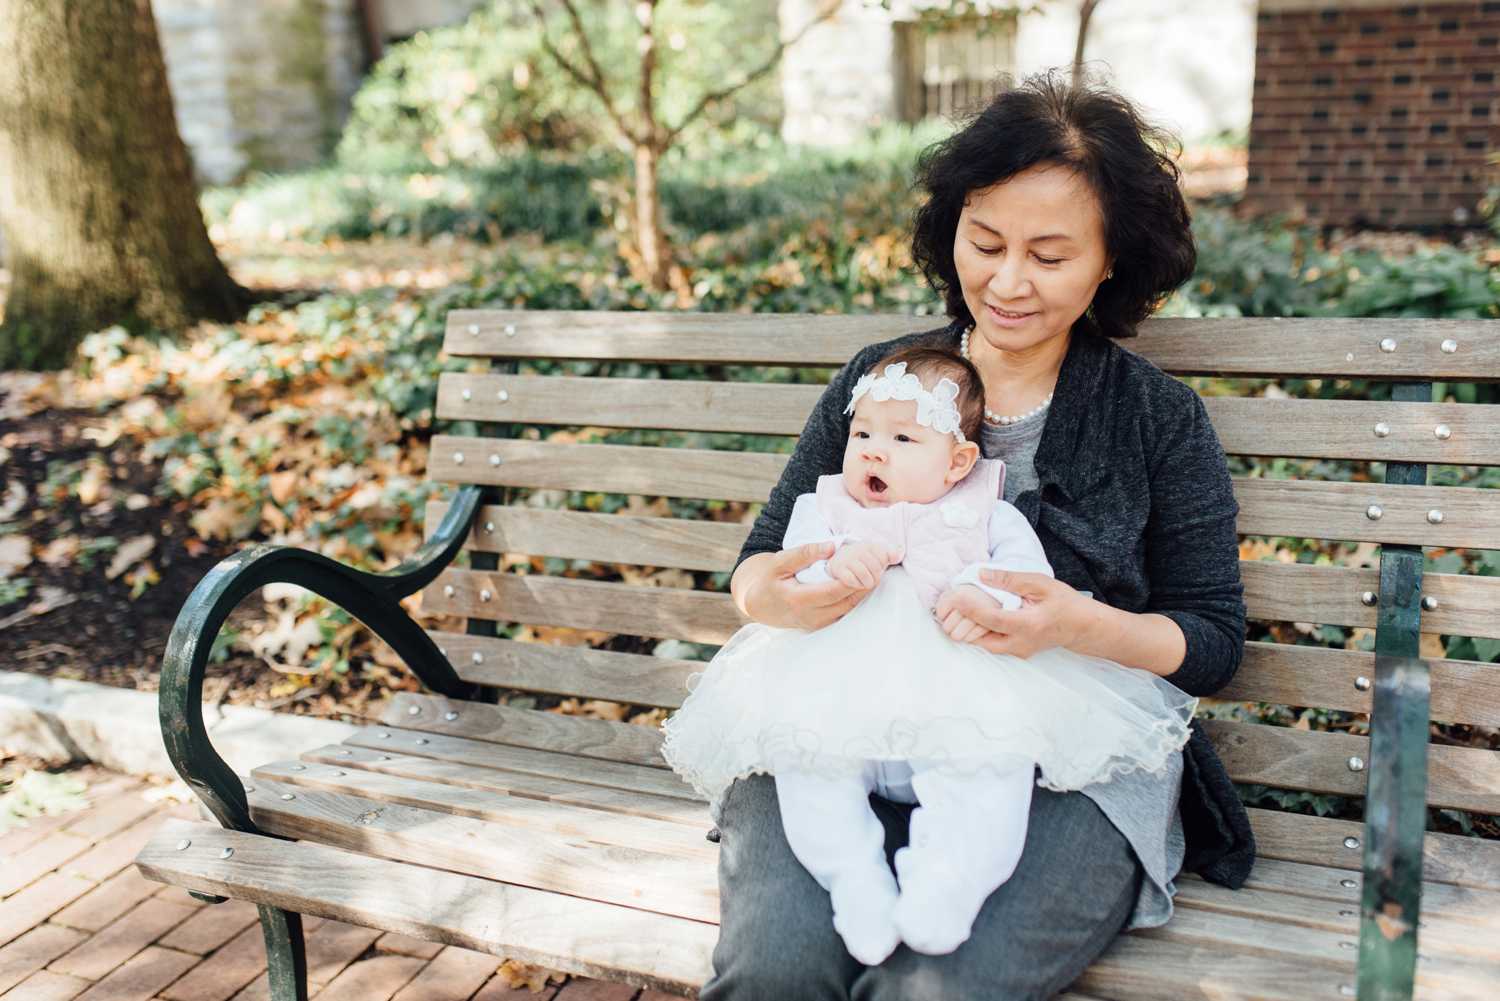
[891, 458]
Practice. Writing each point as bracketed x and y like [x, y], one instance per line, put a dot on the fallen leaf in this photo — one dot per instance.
[651, 717]
[275, 517]
[15, 554]
[94, 484]
[224, 519]
[129, 554]
[591, 708]
[284, 645]
[15, 499]
[60, 550]
[283, 485]
[141, 578]
[535, 979]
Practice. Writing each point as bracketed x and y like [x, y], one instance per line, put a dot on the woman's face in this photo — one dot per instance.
[1030, 253]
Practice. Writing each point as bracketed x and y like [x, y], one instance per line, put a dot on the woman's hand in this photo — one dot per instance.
[765, 588]
[1051, 614]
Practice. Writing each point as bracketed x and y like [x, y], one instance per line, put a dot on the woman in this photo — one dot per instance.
[1053, 225]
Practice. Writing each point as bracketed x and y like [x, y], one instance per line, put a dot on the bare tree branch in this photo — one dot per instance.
[645, 12]
[1085, 11]
[592, 78]
[826, 11]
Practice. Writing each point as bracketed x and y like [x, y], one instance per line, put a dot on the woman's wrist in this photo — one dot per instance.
[1143, 640]
[746, 579]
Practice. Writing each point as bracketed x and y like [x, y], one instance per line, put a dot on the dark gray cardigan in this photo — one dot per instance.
[1134, 504]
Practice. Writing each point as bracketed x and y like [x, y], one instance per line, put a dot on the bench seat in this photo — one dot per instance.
[576, 847]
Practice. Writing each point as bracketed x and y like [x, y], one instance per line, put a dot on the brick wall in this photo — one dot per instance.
[1368, 113]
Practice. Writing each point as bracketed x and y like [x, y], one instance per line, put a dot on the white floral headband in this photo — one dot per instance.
[935, 407]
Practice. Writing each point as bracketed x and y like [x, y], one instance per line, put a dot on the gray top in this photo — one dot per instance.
[1142, 806]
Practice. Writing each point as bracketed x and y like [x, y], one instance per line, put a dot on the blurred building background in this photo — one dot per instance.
[1190, 63]
[1378, 113]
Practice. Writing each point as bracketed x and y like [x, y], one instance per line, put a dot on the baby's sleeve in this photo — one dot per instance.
[1013, 545]
[808, 525]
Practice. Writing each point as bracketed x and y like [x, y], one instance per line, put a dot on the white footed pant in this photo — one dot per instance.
[966, 839]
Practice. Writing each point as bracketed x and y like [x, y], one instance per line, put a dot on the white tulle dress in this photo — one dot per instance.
[885, 683]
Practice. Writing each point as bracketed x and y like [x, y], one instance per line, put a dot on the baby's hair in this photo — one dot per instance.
[932, 364]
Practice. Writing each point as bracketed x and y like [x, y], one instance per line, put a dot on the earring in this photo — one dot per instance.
[1109, 274]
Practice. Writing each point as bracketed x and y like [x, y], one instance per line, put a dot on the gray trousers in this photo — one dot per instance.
[1071, 894]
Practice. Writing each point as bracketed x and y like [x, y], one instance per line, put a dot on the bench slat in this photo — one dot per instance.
[1457, 900]
[571, 934]
[463, 775]
[1266, 935]
[620, 469]
[1273, 591]
[1463, 691]
[1320, 510]
[529, 761]
[1456, 938]
[639, 679]
[1251, 346]
[1464, 777]
[1331, 429]
[1138, 968]
[605, 538]
[564, 820]
[579, 866]
[665, 613]
[1332, 595]
[606, 740]
[1327, 510]
[1470, 862]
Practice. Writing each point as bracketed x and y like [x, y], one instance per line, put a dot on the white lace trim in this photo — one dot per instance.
[935, 407]
[961, 745]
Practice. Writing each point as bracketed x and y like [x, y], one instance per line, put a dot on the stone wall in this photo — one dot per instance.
[1375, 113]
[260, 84]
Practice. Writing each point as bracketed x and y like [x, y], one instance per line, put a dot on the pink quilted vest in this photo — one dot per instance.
[937, 540]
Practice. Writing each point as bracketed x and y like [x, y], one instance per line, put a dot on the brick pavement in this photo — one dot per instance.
[78, 923]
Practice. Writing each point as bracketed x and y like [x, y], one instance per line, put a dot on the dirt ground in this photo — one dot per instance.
[89, 627]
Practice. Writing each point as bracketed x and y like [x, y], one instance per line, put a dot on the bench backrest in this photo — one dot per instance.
[552, 478]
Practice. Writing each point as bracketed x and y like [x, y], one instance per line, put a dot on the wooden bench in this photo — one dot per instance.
[566, 841]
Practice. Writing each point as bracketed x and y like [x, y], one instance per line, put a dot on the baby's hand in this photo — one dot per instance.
[959, 627]
[859, 564]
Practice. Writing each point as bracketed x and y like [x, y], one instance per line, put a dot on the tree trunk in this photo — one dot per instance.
[656, 257]
[101, 216]
[1085, 11]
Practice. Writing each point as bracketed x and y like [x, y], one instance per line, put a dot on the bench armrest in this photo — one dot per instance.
[1395, 828]
[373, 598]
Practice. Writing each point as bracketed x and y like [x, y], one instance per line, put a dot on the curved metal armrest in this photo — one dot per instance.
[373, 598]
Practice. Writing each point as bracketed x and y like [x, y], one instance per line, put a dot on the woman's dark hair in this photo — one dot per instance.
[1098, 134]
[931, 364]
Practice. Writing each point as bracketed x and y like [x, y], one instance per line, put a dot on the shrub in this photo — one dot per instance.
[483, 90]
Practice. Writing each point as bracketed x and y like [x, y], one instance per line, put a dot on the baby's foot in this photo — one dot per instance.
[937, 907]
[862, 905]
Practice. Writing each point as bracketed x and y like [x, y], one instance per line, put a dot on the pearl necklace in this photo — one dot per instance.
[990, 415]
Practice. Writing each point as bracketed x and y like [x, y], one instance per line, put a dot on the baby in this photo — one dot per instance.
[885, 700]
